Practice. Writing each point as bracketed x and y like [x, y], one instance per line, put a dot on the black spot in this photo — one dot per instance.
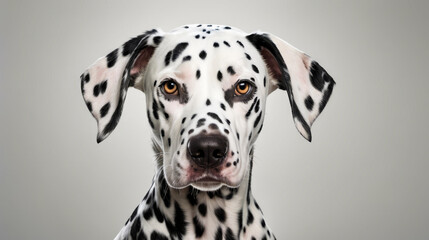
[219, 76]
[248, 56]
[215, 44]
[265, 81]
[199, 228]
[213, 126]
[96, 90]
[134, 214]
[249, 217]
[240, 43]
[250, 136]
[157, 40]
[263, 223]
[178, 152]
[222, 106]
[167, 58]
[269, 233]
[230, 70]
[219, 233]
[162, 133]
[157, 236]
[111, 58]
[104, 110]
[150, 120]
[186, 27]
[155, 109]
[191, 131]
[197, 36]
[193, 116]
[238, 137]
[253, 238]
[198, 74]
[201, 122]
[226, 131]
[135, 228]
[309, 103]
[257, 120]
[251, 108]
[89, 106]
[227, 121]
[169, 142]
[158, 214]
[318, 76]
[228, 164]
[264, 238]
[203, 54]
[183, 120]
[199, 25]
[227, 27]
[204, 29]
[166, 197]
[255, 69]
[240, 220]
[103, 87]
[214, 116]
[257, 106]
[165, 114]
[326, 96]
[187, 58]
[87, 78]
[179, 219]
[178, 50]
[260, 129]
[154, 83]
[183, 141]
[226, 43]
[208, 102]
[202, 208]
[220, 214]
[257, 205]
[131, 44]
[147, 214]
[229, 235]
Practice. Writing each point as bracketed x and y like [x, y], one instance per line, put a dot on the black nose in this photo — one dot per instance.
[208, 150]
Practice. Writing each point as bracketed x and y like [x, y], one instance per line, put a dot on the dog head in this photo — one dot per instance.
[205, 87]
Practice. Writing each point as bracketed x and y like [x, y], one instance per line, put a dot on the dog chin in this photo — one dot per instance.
[207, 186]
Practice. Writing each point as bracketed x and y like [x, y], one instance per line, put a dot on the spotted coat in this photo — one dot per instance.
[203, 83]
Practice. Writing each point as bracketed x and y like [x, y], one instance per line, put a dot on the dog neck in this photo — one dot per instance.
[227, 213]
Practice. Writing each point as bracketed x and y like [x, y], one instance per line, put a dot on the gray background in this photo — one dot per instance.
[364, 176]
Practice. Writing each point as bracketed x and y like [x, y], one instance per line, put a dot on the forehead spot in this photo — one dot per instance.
[216, 44]
[248, 56]
[230, 70]
[203, 54]
[255, 69]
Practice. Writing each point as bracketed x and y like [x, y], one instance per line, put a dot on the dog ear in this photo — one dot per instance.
[105, 83]
[308, 85]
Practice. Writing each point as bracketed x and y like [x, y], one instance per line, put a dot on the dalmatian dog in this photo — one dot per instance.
[206, 87]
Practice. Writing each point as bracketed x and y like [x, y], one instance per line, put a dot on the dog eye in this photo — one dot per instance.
[242, 88]
[170, 87]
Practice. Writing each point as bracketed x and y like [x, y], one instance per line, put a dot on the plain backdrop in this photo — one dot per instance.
[364, 176]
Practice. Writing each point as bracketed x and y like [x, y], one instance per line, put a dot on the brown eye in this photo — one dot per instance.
[170, 87]
[242, 88]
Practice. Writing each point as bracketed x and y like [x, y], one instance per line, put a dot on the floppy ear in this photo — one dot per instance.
[308, 85]
[105, 83]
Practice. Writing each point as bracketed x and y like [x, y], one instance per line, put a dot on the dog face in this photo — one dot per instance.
[205, 89]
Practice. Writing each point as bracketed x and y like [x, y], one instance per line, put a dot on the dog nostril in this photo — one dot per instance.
[198, 154]
[217, 154]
